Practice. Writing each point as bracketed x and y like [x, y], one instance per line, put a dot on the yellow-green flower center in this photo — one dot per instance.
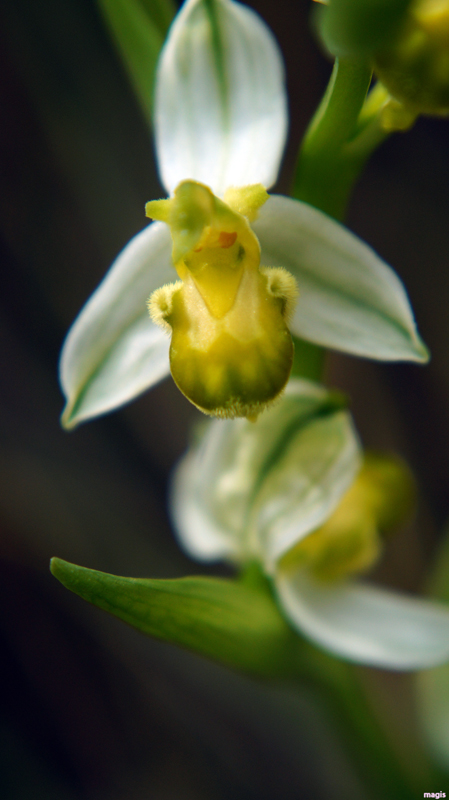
[231, 351]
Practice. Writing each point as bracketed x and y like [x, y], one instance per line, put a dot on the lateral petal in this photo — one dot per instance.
[349, 299]
[113, 351]
[365, 624]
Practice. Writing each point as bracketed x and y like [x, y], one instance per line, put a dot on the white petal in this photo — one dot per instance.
[113, 351]
[215, 483]
[202, 531]
[316, 468]
[219, 481]
[349, 298]
[366, 624]
[220, 109]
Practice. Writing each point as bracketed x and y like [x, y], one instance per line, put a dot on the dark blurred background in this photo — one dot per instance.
[90, 709]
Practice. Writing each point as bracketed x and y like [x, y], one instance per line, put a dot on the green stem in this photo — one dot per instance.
[324, 174]
[345, 130]
[337, 684]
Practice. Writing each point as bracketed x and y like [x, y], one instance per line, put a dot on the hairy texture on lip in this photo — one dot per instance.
[231, 351]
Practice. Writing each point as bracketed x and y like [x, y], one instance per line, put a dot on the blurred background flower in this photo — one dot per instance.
[90, 708]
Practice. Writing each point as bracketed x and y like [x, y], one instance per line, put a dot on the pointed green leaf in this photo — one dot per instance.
[138, 28]
[225, 620]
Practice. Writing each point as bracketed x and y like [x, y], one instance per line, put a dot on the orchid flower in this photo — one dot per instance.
[294, 494]
[220, 129]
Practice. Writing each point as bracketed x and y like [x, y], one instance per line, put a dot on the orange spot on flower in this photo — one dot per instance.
[226, 239]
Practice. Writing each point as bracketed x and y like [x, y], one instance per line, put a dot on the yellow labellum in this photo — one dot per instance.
[231, 351]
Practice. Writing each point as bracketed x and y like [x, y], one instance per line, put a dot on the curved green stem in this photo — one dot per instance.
[338, 685]
[346, 128]
[326, 170]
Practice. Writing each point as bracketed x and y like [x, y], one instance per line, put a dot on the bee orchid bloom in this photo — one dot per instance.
[294, 494]
[241, 256]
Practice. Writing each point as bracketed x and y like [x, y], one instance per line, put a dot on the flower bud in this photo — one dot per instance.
[414, 66]
[231, 351]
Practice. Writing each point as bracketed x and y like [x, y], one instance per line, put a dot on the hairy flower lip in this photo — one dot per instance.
[231, 352]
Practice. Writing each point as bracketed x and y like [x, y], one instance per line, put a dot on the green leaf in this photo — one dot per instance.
[228, 621]
[357, 28]
[138, 28]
